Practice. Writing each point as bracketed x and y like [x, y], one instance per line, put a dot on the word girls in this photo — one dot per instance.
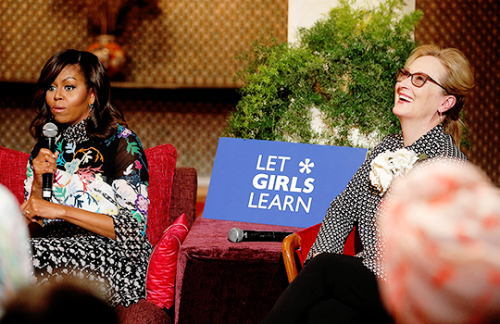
[280, 183]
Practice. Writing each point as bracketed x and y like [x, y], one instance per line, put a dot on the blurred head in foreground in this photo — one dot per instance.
[66, 301]
[442, 235]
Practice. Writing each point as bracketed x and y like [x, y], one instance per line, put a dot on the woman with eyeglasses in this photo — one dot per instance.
[334, 288]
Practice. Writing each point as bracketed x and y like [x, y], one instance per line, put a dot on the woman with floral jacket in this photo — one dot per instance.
[334, 288]
[94, 223]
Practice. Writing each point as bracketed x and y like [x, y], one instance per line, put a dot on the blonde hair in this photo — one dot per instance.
[458, 81]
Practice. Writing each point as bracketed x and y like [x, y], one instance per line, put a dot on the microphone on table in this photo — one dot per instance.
[49, 132]
[237, 235]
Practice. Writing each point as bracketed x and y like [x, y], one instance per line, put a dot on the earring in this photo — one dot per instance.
[440, 116]
[91, 107]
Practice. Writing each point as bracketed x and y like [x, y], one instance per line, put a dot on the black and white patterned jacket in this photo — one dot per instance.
[358, 203]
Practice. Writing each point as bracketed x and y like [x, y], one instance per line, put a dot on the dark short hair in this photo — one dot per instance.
[71, 300]
[104, 118]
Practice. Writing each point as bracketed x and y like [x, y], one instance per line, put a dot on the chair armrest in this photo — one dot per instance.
[184, 191]
[290, 244]
[301, 241]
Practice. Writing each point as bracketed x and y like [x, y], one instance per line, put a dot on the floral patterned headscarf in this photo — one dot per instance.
[441, 226]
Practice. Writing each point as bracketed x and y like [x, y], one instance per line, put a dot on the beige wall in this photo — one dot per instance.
[304, 13]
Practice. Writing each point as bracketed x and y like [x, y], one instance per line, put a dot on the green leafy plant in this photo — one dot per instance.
[335, 86]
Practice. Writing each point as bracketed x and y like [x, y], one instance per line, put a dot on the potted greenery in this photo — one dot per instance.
[335, 86]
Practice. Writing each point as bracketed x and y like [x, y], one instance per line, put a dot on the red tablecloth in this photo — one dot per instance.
[223, 282]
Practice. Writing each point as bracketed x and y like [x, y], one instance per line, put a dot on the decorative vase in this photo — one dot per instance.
[109, 52]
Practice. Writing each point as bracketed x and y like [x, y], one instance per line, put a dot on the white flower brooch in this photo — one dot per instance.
[388, 165]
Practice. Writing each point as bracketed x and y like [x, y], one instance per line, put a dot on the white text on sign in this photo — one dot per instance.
[282, 184]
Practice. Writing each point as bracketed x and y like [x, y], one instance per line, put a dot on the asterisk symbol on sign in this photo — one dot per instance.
[306, 166]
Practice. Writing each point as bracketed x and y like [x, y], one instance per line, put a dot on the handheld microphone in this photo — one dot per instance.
[237, 235]
[50, 132]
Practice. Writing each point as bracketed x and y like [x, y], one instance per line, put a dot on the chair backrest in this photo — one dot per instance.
[298, 245]
[161, 162]
[307, 237]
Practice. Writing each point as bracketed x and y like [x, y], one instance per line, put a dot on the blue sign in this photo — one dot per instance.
[278, 183]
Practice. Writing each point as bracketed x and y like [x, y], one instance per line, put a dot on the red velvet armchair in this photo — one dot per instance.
[172, 192]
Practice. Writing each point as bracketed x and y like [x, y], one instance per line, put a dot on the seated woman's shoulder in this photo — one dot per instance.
[389, 141]
[124, 132]
[127, 134]
[393, 137]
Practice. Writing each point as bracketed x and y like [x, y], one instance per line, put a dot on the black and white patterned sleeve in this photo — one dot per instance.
[356, 201]
[339, 219]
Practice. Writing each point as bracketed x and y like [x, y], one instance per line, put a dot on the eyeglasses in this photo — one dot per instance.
[418, 79]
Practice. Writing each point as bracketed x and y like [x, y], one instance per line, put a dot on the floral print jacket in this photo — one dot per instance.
[108, 176]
